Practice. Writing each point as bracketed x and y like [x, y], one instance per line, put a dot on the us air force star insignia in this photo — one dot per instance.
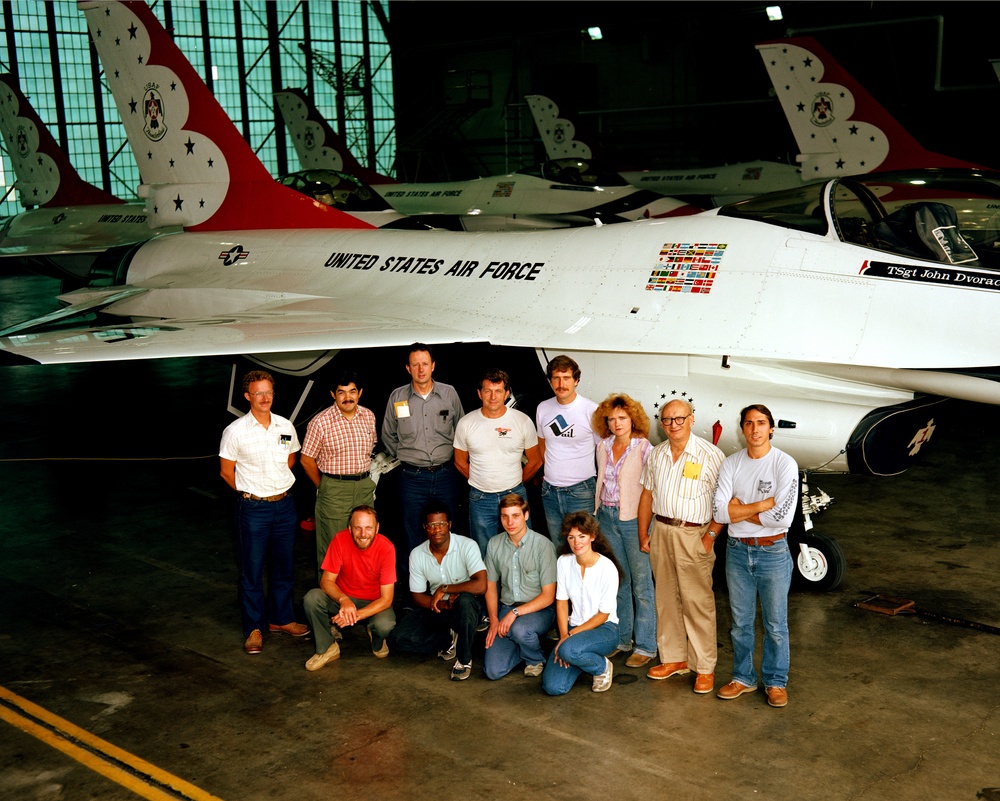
[234, 254]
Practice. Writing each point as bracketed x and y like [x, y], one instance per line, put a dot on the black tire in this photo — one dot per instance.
[822, 569]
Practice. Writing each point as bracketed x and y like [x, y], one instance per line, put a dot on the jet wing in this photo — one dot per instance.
[289, 324]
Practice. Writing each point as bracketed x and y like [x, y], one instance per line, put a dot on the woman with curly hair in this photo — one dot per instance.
[586, 592]
[624, 429]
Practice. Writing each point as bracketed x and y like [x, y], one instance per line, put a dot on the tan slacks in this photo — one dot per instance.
[685, 603]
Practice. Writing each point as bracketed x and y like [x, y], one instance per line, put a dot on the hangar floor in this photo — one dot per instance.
[118, 617]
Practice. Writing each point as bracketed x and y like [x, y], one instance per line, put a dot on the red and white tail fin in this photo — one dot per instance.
[44, 175]
[197, 171]
[558, 134]
[316, 143]
[839, 127]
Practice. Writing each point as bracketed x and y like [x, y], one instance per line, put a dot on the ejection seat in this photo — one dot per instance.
[925, 231]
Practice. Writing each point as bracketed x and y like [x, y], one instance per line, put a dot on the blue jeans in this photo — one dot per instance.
[266, 533]
[320, 607]
[753, 571]
[484, 513]
[425, 631]
[636, 584]
[416, 487]
[523, 642]
[584, 653]
[560, 501]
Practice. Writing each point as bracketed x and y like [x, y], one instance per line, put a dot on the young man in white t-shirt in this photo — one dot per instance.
[489, 445]
[568, 445]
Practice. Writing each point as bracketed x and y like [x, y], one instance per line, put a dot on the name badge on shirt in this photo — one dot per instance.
[402, 409]
[692, 470]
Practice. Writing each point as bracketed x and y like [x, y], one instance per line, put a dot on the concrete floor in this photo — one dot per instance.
[118, 614]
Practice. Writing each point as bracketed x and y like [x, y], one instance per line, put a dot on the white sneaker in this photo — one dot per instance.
[451, 650]
[460, 672]
[534, 670]
[602, 682]
[318, 660]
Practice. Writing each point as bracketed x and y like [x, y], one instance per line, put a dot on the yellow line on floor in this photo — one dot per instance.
[129, 771]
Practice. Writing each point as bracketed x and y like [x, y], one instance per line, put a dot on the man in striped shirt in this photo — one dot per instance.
[336, 455]
[678, 481]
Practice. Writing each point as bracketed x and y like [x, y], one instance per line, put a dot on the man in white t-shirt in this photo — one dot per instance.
[756, 495]
[567, 442]
[490, 444]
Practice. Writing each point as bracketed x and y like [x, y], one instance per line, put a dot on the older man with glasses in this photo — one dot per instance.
[678, 482]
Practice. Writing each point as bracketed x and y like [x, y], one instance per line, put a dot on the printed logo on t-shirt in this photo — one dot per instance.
[560, 427]
[503, 432]
[764, 487]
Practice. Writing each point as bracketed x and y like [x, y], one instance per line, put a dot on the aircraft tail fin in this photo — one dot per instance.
[316, 143]
[558, 134]
[45, 176]
[197, 171]
[839, 127]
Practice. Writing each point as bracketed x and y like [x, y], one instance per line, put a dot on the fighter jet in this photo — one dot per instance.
[559, 193]
[719, 184]
[839, 127]
[852, 308]
[68, 224]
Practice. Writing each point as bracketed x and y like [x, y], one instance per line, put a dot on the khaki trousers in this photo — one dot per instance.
[685, 603]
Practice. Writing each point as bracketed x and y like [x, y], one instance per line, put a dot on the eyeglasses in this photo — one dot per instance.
[436, 525]
[268, 394]
[677, 421]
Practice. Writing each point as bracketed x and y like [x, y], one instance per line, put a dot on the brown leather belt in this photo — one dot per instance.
[676, 521]
[761, 542]
[270, 498]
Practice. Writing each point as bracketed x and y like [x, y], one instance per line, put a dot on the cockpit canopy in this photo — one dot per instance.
[335, 188]
[575, 172]
[944, 216]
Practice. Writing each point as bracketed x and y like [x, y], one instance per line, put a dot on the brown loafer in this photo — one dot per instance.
[665, 671]
[704, 683]
[254, 643]
[295, 629]
[637, 660]
[777, 696]
[734, 690]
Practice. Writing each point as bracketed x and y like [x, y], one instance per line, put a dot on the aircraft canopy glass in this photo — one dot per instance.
[944, 216]
[335, 188]
[575, 172]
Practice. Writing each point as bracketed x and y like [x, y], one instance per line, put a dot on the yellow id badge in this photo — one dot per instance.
[692, 470]
[402, 409]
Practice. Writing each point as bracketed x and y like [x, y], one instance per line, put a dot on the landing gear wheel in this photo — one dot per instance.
[820, 565]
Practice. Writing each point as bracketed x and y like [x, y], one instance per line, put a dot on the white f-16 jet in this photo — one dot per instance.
[840, 130]
[559, 193]
[68, 223]
[852, 308]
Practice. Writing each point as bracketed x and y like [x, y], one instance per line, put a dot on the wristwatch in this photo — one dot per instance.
[516, 612]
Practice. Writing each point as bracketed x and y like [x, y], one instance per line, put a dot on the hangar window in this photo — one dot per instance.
[245, 51]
